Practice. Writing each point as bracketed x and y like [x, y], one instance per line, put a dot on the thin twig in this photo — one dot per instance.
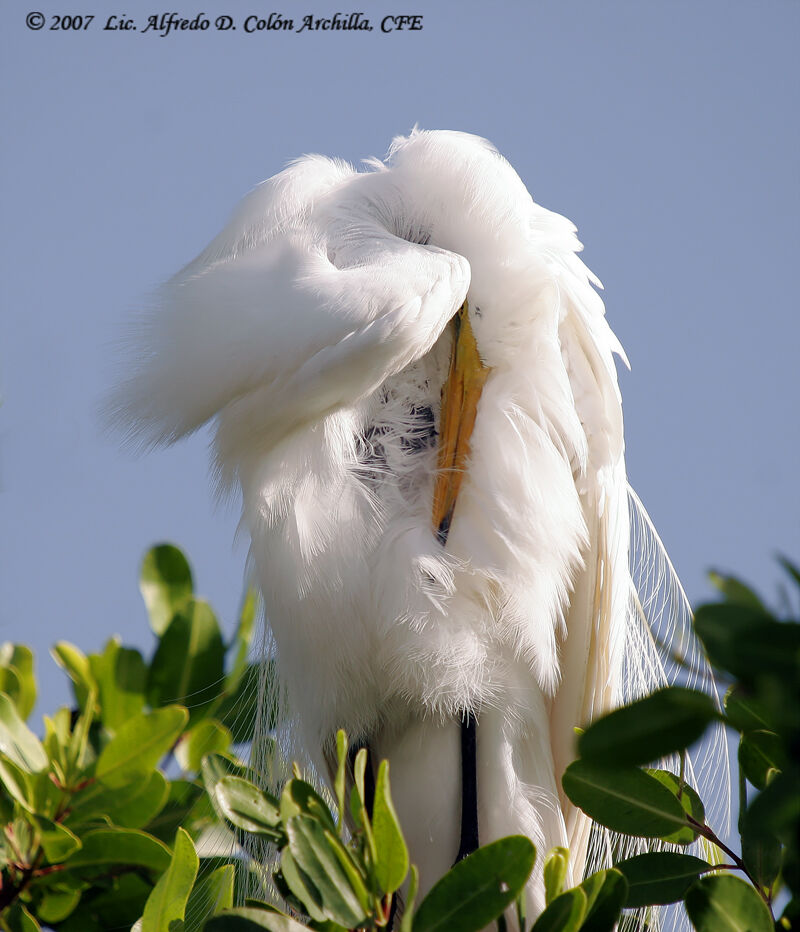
[708, 833]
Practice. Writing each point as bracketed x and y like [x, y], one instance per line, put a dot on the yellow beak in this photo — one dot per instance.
[460, 395]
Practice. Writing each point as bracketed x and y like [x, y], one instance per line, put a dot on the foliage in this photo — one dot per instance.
[102, 815]
[344, 878]
[118, 816]
[756, 654]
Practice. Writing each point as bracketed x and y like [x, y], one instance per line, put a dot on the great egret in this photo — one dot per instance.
[440, 522]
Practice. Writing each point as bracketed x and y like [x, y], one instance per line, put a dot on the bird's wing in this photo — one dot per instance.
[281, 322]
[663, 645]
[591, 655]
[628, 615]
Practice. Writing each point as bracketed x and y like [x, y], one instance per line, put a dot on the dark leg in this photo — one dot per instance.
[369, 775]
[369, 792]
[469, 787]
[392, 914]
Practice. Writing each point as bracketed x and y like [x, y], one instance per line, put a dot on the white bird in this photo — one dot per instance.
[317, 332]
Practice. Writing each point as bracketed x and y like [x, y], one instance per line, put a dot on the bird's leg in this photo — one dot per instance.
[469, 786]
[460, 395]
[369, 775]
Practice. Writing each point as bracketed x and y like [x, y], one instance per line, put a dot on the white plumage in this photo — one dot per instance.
[314, 331]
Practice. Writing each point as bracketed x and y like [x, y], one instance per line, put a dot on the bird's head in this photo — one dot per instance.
[454, 190]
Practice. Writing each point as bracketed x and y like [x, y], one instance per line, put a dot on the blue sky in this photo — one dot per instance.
[666, 131]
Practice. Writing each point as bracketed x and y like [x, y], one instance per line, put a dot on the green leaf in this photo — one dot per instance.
[749, 643]
[300, 798]
[555, 872]
[167, 903]
[355, 873]
[776, 809]
[761, 753]
[773, 816]
[247, 919]
[79, 755]
[724, 903]
[57, 841]
[359, 771]
[301, 886]
[340, 782]
[165, 583]
[22, 661]
[57, 903]
[623, 799]
[83, 919]
[606, 892]
[744, 712]
[21, 838]
[406, 922]
[735, 591]
[188, 665]
[669, 720]
[478, 889]
[790, 917]
[17, 919]
[210, 895]
[215, 767]
[19, 658]
[7, 810]
[76, 665]
[17, 741]
[44, 797]
[139, 744]
[142, 807]
[659, 877]
[16, 782]
[392, 864]
[691, 803]
[95, 801]
[254, 903]
[121, 676]
[11, 685]
[105, 846]
[564, 914]
[208, 736]
[184, 796]
[116, 905]
[761, 853]
[248, 807]
[57, 732]
[315, 855]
